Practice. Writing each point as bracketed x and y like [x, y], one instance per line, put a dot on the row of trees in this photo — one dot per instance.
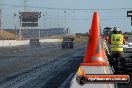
[127, 33]
[108, 31]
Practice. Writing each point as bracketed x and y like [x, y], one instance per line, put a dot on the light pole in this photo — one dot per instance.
[25, 5]
[15, 25]
[65, 22]
[44, 17]
[20, 29]
[66, 28]
[58, 20]
[0, 17]
[1, 24]
[43, 23]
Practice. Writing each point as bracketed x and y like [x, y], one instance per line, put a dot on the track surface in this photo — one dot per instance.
[48, 66]
[41, 67]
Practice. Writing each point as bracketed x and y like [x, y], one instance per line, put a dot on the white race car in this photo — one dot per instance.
[129, 44]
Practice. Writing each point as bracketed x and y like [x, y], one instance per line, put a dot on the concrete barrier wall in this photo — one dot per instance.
[50, 40]
[11, 43]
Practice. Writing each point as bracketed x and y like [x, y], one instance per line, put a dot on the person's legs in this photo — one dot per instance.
[115, 62]
[123, 62]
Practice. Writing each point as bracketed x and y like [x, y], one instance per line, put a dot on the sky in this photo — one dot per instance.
[73, 14]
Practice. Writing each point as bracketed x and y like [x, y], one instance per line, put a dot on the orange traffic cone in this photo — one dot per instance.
[95, 53]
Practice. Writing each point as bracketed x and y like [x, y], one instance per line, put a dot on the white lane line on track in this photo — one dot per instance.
[28, 49]
[44, 47]
[21, 50]
[1, 53]
[8, 52]
[67, 80]
[14, 51]
[51, 46]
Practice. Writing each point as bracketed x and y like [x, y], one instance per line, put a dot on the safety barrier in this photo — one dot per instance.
[12, 43]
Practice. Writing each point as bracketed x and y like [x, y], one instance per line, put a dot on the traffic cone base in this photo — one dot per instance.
[95, 64]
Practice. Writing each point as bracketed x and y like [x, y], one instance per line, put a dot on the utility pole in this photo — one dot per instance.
[44, 24]
[20, 30]
[58, 20]
[1, 35]
[15, 26]
[25, 5]
[0, 17]
[65, 20]
[0, 13]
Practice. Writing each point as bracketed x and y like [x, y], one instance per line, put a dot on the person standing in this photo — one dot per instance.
[117, 41]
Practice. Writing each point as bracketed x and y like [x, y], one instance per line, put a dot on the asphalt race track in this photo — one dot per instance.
[48, 66]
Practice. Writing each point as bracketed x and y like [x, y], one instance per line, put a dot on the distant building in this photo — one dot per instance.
[107, 31]
[33, 33]
[4, 35]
